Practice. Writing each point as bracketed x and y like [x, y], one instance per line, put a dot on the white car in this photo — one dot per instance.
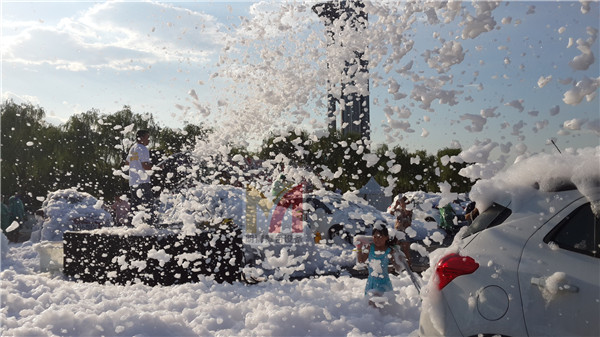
[333, 215]
[528, 266]
[328, 213]
[72, 210]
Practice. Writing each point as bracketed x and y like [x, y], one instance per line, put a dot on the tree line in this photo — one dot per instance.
[358, 162]
[38, 157]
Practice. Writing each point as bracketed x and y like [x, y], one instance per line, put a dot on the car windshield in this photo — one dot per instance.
[493, 216]
[316, 203]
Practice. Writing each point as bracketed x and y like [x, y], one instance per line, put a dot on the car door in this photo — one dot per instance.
[559, 275]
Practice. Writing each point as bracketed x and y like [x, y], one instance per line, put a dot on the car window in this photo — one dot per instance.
[577, 232]
[318, 204]
[493, 216]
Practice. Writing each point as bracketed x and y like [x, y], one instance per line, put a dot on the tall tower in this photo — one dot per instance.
[348, 74]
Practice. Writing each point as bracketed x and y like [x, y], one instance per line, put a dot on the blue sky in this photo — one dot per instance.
[70, 57]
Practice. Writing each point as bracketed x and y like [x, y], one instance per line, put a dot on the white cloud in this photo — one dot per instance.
[8, 95]
[118, 35]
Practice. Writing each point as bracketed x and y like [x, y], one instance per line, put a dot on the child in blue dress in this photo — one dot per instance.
[378, 257]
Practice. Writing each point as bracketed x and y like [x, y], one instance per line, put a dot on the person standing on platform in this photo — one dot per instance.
[140, 171]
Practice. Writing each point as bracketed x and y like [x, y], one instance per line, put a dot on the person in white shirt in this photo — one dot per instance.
[140, 170]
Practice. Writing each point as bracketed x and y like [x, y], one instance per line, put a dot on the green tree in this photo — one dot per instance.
[425, 175]
[174, 140]
[343, 154]
[25, 163]
[118, 132]
[82, 153]
[449, 171]
[407, 171]
[85, 156]
[293, 146]
[38, 157]
[383, 167]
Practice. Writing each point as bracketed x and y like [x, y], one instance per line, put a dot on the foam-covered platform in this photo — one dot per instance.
[163, 259]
